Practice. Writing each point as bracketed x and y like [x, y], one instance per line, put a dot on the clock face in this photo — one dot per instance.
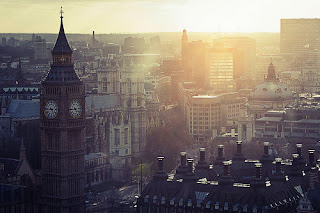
[75, 109]
[51, 109]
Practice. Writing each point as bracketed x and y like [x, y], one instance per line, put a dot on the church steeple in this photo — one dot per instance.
[23, 155]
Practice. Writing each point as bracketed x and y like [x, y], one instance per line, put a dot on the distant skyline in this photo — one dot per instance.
[133, 16]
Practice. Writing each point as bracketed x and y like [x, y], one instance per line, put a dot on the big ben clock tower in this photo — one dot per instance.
[62, 120]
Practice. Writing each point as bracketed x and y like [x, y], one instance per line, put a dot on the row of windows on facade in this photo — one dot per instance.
[200, 127]
[96, 176]
[200, 132]
[96, 162]
[117, 152]
[206, 118]
[106, 86]
[215, 108]
[117, 136]
[220, 76]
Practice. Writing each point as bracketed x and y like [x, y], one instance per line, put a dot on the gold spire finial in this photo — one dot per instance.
[61, 12]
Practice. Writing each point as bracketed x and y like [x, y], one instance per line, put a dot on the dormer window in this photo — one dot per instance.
[216, 206]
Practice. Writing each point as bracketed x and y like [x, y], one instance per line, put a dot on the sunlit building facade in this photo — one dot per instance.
[245, 44]
[299, 35]
[206, 114]
[225, 65]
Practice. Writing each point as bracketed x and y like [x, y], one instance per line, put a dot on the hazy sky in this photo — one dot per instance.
[116, 16]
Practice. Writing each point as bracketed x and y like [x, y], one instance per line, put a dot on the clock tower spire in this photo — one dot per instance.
[62, 121]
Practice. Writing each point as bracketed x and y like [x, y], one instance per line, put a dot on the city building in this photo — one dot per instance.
[42, 50]
[206, 114]
[196, 62]
[245, 44]
[193, 60]
[297, 122]
[62, 124]
[264, 185]
[298, 36]
[224, 66]
[4, 41]
[270, 94]
[98, 169]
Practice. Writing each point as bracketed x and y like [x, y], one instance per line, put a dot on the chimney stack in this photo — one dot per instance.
[220, 157]
[190, 165]
[238, 156]
[258, 170]
[278, 165]
[160, 175]
[311, 157]
[183, 157]
[182, 169]
[299, 149]
[266, 148]
[295, 160]
[202, 154]
[226, 168]
[160, 164]
[220, 151]
[239, 147]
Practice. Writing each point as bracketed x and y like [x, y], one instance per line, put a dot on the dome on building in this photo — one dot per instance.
[271, 89]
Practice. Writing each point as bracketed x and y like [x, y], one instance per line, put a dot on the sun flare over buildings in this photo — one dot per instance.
[159, 106]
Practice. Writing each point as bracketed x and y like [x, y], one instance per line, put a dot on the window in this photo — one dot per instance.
[116, 151]
[126, 136]
[116, 137]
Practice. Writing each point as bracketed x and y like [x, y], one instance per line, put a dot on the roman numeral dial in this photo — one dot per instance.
[75, 109]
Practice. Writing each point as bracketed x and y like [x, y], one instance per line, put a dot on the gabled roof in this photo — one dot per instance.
[10, 165]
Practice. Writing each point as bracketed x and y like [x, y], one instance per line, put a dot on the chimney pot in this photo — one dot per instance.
[299, 149]
[183, 156]
[220, 151]
[266, 148]
[202, 154]
[160, 163]
[239, 146]
[258, 170]
[311, 156]
[226, 168]
[190, 165]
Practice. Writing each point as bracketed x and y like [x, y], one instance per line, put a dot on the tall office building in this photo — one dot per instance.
[193, 60]
[245, 44]
[299, 36]
[224, 66]
[62, 122]
[196, 62]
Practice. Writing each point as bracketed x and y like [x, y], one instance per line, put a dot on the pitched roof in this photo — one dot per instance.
[62, 45]
[24, 108]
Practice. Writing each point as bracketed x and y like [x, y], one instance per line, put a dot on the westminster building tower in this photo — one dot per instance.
[62, 118]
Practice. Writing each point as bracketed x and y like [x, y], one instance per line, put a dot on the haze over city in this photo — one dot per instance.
[159, 106]
[114, 16]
